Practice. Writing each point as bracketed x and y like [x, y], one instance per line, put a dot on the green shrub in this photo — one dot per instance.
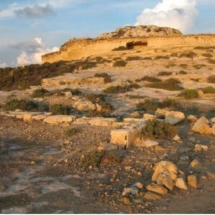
[135, 97]
[149, 104]
[120, 89]
[161, 57]
[38, 93]
[88, 65]
[164, 73]
[147, 58]
[207, 55]
[188, 54]
[71, 131]
[209, 89]
[150, 79]
[211, 79]
[170, 65]
[119, 63]
[92, 159]
[171, 84]
[199, 66]
[120, 48]
[132, 58]
[107, 78]
[189, 94]
[183, 65]
[211, 61]
[59, 109]
[169, 103]
[76, 91]
[182, 72]
[155, 129]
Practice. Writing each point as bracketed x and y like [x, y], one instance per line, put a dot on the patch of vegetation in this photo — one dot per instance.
[76, 91]
[107, 78]
[150, 79]
[156, 129]
[204, 47]
[71, 131]
[92, 159]
[169, 103]
[161, 57]
[182, 72]
[119, 63]
[120, 48]
[101, 60]
[170, 65]
[39, 93]
[88, 65]
[135, 96]
[120, 89]
[171, 84]
[59, 109]
[211, 61]
[188, 55]
[183, 65]
[174, 55]
[25, 105]
[209, 89]
[132, 58]
[149, 104]
[147, 58]
[199, 66]
[211, 79]
[164, 73]
[207, 55]
[110, 159]
[189, 94]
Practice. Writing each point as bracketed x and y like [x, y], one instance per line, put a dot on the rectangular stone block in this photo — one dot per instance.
[123, 137]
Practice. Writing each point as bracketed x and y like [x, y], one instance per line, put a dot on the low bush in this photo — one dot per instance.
[207, 55]
[88, 65]
[135, 96]
[119, 63]
[183, 65]
[120, 89]
[188, 55]
[107, 78]
[211, 61]
[93, 159]
[149, 104]
[170, 65]
[132, 58]
[150, 79]
[209, 89]
[182, 72]
[199, 66]
[164, 73]
[211, 79]
[189, 94]
[170, 84]
[120, 48]
[71, 131]
[147, 58]
[59, 109]
[38, 93]
[174, 55]
[156, 129]
[169, 103]
[76, 91]
[161, 57]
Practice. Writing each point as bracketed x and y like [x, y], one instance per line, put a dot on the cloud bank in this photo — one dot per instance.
[32, 54]
[179, 14]
[35, 12]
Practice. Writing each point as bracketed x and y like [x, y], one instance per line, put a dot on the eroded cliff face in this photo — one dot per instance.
[76, 49]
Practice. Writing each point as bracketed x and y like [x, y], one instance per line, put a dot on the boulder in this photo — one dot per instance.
[148, 116]
[135, 114]
[165, 174]
[201, 126]
[174, 117]
[192, 180]
[152, 196]
[150, 143]
[100, 121]
[124, 137]
[180, 183]
[156, 188]
[161, 112]
[196, 166]
[192, 118]
[27, 117]
[58, 119]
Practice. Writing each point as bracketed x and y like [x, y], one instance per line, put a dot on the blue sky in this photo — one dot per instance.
[30, 28]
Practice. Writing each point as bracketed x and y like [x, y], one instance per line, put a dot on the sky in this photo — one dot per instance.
[31, 28]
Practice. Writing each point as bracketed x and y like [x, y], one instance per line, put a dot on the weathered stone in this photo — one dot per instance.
[130, 190]
[159, 148]
[135, 114]
[100, 121]
[192, 180]
[107, 147]
[165, 174]
[148, 116]
[57, 119]
[150, 143]
[27, 117]
[68, 94]
[192, 139]
[192, 118]
[117, 125]
[126, 201]
[152, 196]
[201, 126]
[177, 138]
[200, 147]
[174, 117]
[39, 117]
[156, 188]
[184, 158]
[211, 174]
[213, 129]
[196, 165]
[180, 183]
[124, 137]
[161, 112]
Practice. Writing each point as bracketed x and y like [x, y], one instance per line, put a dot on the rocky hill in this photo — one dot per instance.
[141, 31]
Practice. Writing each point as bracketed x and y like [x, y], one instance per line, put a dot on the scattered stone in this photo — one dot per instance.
[156, 188]
[161, 112]
[165, 174]
[174, 117]
[139, 185]
[58, 119]
[100, 121]
[177, 138]
[184, 149]
[135, 114]
[126, 201]
[159, 148]
[148, 116]
[211, 174]
[200, 147]
[192, 180]
[192, 139]
[196, 165]
[192, 118]
[184, 158]
[201, 126]
[150, 143]
[33, 162]
[180, 183]
[130, 190]
[152, 196]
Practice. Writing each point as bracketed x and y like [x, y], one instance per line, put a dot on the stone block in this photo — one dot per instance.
[124, 137]
[100, 121]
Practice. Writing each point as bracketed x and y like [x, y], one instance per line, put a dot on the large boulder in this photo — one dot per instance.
[202, 126]
[174, 117]
[58, 119]
[100, 121]
[165, 174]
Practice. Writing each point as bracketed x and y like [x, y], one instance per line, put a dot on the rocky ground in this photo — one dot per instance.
[43, 170]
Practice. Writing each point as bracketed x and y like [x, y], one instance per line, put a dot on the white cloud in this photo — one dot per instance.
[178, 14]
[35, 57]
